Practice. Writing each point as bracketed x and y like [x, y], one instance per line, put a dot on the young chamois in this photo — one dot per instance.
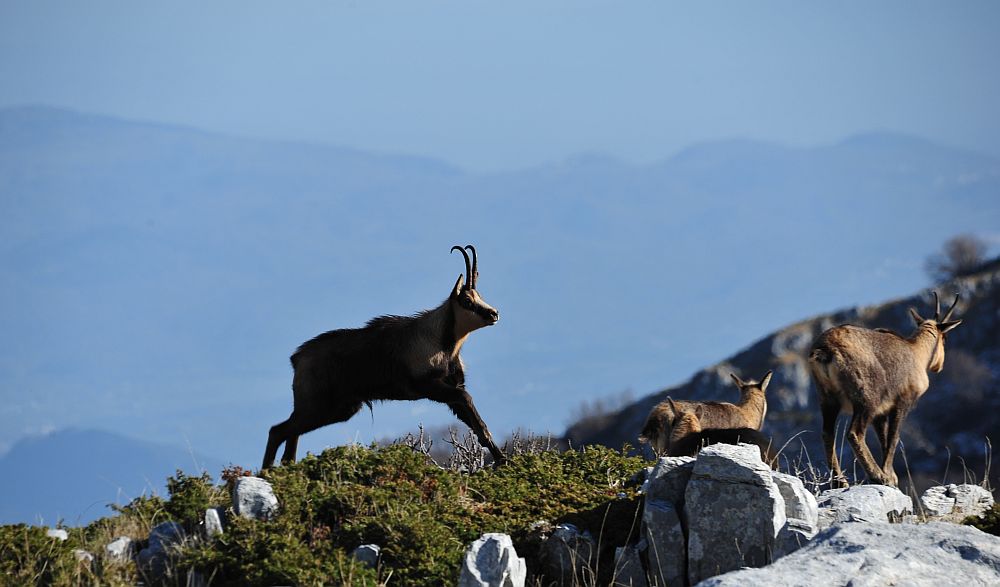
[391, 358]
[748, 413]
[878, 376]
[687, 436]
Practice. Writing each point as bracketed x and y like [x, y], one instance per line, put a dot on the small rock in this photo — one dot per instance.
[862, 503]
[121, 548]
[254, 498]
[367, 554]
[937, 502]
[57, 533]
[492, 561]
[971, 500]
[213, 522]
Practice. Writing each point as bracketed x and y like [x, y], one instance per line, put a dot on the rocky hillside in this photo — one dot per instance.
[948, 433]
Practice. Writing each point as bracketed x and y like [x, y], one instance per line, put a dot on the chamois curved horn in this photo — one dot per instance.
[475, 266]
[937, 308]
[468, 266]
[947, 314]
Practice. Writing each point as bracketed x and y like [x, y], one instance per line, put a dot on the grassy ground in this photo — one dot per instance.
[422, 515]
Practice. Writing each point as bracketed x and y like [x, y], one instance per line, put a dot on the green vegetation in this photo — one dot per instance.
[989, 522]
[421, 515]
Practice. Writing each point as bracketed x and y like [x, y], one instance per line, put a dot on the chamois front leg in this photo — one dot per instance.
[460, 402]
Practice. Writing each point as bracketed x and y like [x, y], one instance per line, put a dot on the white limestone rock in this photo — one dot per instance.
[492, 561]
[254, 498]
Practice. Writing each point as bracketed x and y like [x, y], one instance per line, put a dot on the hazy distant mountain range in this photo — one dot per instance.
[73, 475]
[156, 278]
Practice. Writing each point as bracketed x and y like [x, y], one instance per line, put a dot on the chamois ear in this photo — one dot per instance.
[673, 406]
[944, 327]
[737, 380]
[916, 317]
[765, 381]
[698, 411]
[458, 287]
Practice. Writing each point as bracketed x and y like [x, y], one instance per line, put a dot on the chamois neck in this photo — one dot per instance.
[924, 341]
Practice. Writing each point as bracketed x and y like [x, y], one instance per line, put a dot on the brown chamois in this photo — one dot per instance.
[878, 376]
[687, 436]
[749, 413]
[391, 358]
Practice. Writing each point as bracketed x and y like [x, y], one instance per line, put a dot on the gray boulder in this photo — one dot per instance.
[734, 511]
[121, 549]
[629, 571]
[254, 498]
[666, 550]
[881, 554]
[964, 500]
[492, 561]
[668, 480]
[862, 503]
[568, 554]
[367, 554]
[801, 514]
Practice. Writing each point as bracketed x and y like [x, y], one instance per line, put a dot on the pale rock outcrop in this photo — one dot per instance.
[734, 511]
[492, 561]
[862, 503]
[254, 498]
[916, 555]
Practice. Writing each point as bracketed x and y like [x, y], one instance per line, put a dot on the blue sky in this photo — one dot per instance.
[492, 86]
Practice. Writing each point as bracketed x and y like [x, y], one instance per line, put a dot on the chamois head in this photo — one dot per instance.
[749, 386]
[685, 421]
[939, 326]
[471, 311]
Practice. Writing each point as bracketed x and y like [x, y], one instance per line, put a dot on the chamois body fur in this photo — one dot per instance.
[687, 436]
[877, 376]
[391, 358]
[748, 413]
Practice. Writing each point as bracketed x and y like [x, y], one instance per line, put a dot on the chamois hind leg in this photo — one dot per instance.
[279, 433]
[895, 421]
[831, 409]
[856, 436]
